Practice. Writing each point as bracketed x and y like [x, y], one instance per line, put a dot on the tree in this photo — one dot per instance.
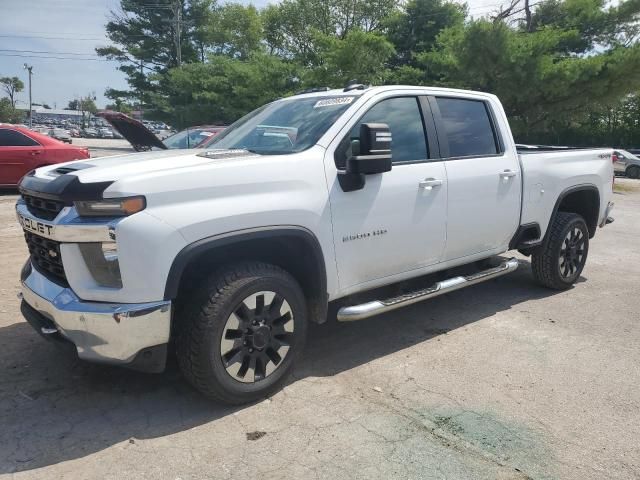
[414, 29]
[235, 30]
[359, 56]
[144, 38]
[292, 28]
[8, 113]
[86, 104]
[11, 86]
[221, 90]
[546, 78]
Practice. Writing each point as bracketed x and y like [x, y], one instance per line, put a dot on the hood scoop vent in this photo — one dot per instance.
[235, 153]
[74, 167]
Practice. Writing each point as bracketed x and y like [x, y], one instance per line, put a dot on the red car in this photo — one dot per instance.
[22, 150]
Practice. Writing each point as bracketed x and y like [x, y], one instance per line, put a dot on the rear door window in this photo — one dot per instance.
[468, 127]
[12, 138]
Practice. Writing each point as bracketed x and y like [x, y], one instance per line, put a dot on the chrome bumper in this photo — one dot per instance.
[101, 332]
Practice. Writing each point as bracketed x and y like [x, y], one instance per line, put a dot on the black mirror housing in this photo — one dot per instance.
[375, 150]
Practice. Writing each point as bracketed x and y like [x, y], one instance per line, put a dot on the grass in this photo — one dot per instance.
[619, 187]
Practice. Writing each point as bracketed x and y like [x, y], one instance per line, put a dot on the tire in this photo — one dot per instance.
[560, 262]
[241, 332]
[633, 172]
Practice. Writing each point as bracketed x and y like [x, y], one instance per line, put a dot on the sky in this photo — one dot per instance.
[58, 38]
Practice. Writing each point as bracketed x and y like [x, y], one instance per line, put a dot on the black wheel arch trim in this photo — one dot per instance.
[517, 239]
[194, 249]
[568, 191]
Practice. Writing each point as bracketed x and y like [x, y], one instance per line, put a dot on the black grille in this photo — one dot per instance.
[45, 256]
[43, 207]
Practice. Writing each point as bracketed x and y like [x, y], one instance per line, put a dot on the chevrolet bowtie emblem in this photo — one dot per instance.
[53, 253]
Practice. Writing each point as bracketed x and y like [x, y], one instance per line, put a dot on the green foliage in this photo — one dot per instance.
[539, 83]
[358, 56]
[414, 29]
[223, 89]
[297, 29]
[11, 86]
[84, 104]
[566, 73]
[8, 114]
[235, 30]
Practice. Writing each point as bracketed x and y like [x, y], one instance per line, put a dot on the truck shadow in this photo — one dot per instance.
[54, 408]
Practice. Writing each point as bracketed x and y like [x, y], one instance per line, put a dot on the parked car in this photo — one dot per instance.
[22, 150]
[60, 134]
[193, 137]
[89, 132]
[142, 138]
[105, 132]
[315, 199]
[627, 163]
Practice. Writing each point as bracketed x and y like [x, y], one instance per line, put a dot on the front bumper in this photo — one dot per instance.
[126, 334]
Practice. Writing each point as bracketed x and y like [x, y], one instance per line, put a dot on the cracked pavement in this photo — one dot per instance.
[503, 380]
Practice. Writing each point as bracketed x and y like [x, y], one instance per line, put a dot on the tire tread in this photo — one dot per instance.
[201, 310]
[543, 262]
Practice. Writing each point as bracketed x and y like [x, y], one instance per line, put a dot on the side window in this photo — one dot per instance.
[467, 126]
[11, 138]
[403, 116]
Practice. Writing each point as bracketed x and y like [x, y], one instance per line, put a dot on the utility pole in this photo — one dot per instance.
[177, 19]
[29, 68]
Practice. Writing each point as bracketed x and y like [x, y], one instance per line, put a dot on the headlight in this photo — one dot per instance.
[113, 207]
[102, 261]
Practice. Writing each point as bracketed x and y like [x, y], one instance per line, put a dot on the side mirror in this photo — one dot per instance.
[375, 150]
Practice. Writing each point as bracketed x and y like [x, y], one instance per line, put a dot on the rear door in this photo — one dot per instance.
[18, 155]
[484, 180]
[396, 223]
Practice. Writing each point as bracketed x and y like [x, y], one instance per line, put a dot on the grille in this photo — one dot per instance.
[45, 256]
[43, 207]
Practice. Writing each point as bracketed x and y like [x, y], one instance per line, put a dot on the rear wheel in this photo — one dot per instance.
[241, 332]
[561, 260]
[633, 172]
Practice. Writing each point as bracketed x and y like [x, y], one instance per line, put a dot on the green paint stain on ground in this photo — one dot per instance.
[504, 441]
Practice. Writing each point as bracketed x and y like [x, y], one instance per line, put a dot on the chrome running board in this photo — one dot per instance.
[376, 307]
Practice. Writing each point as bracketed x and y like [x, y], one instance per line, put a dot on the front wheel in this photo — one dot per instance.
[560, 261]
[241, 332]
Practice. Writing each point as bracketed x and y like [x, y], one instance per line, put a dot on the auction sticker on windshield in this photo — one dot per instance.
[329, 102]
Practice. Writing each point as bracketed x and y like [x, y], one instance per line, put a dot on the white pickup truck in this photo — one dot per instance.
[228, 253]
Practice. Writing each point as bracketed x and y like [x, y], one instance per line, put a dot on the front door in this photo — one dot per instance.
[396, 223]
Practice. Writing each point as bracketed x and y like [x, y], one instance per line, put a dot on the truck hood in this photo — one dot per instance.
[111, 169]
[139, 136]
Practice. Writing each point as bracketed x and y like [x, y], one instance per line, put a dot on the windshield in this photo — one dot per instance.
[187, 138]
[282, 127]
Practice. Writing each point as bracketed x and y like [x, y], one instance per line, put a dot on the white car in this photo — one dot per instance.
[627, 163]
[229, 253]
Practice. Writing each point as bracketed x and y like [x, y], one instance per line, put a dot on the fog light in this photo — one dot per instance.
[102, 261]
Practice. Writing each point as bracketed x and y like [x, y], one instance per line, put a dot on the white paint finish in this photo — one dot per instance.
[413, 219]
[557, 171]
[190, 198]
[484, 205]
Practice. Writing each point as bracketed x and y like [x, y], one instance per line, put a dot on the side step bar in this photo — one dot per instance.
[376, 307]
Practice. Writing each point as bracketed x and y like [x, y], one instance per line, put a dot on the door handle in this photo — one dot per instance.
[429, 183]
[35, 152]
[508, 174]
